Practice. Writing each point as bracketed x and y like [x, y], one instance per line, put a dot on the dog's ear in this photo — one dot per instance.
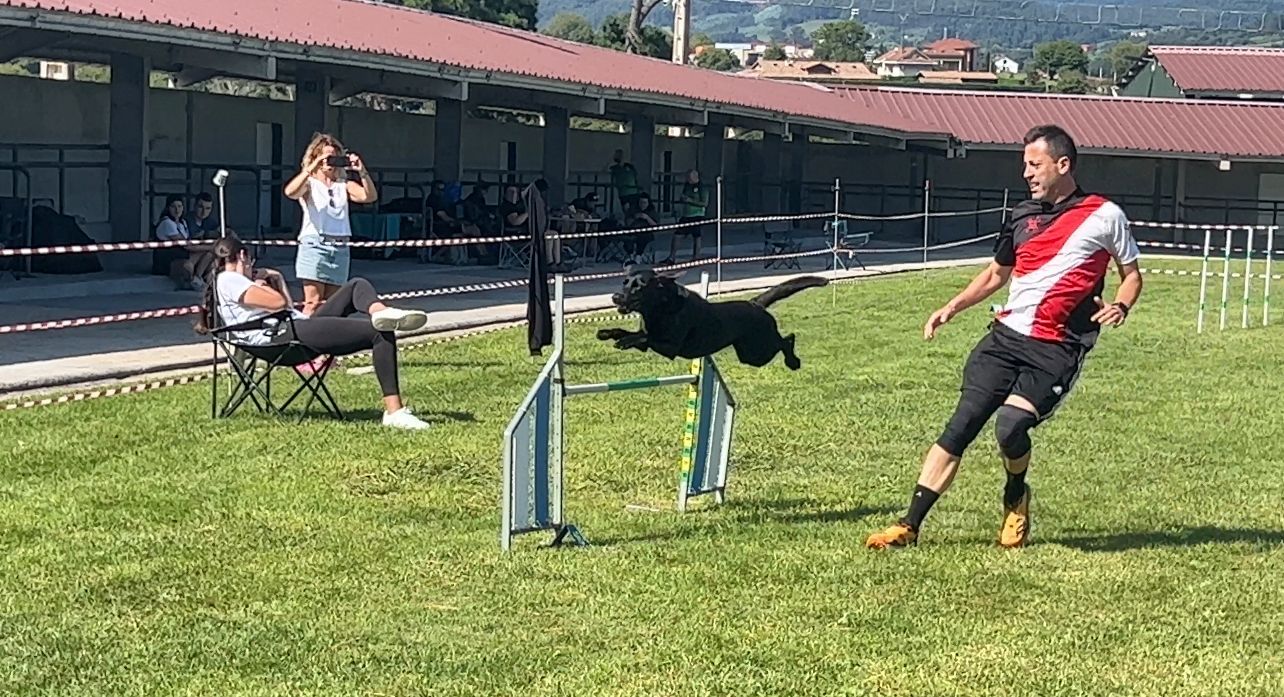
[671, 274]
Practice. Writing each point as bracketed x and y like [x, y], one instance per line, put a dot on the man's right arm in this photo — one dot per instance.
[992, 278]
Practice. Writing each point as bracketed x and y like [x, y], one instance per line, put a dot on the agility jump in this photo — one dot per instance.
[534, 440]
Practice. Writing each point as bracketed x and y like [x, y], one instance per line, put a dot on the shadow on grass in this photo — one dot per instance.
[749, 512]
[801, 510]
[1188, 537]
[376, 416]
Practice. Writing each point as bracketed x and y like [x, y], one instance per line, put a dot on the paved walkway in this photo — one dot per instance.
[39, 360]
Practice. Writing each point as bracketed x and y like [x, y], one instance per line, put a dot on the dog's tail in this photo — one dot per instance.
[794, 285]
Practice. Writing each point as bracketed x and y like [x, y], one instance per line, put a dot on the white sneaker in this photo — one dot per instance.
[402, 418]
[391, 319]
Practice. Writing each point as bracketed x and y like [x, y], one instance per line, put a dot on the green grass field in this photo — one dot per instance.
[149, 550]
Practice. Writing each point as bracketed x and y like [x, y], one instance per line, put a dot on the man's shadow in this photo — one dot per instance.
[1187, 537]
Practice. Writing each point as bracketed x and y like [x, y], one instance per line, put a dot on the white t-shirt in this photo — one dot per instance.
[325, 210]
[230, 287]
[168, 229]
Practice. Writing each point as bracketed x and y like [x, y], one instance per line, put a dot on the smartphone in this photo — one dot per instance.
[337, 161]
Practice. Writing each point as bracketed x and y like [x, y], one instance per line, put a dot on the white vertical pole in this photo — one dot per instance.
[220, 179]
[1203, 281]
[1226, 277]
[1266, 292]
[1248, 276]
[834, 287]
[927, 208]
[557, 398]
[719, 233]
[559, 320]
[1005, 205]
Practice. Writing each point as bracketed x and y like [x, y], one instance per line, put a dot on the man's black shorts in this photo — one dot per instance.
[1007, 362]
[693, 230]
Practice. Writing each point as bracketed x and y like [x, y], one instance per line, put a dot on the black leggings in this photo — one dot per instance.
[333, 331]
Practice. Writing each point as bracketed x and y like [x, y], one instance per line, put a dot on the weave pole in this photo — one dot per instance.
[927, 217]
[1225, 278]
[837, 189]
[719, 233]
[1203, 282]
[1266, 292]
[1248, 275]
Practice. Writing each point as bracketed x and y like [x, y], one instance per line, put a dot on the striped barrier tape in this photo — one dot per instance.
[1197, 226]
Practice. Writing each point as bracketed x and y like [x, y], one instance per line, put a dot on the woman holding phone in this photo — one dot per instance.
[323, 189]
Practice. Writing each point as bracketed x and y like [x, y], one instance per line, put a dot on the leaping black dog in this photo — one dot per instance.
[679, 323]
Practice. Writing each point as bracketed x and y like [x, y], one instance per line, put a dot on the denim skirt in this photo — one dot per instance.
[320, 259]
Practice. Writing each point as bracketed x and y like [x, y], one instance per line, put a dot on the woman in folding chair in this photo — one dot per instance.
[239, 294]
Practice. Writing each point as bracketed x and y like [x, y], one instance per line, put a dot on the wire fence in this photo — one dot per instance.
[838, 243]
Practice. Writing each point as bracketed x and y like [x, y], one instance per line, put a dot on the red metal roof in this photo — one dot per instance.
[1202, 127]
[950, 46]
[1228, 69]
[388, 30]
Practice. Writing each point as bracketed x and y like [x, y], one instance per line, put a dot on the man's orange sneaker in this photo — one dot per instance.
[898, 535]
[1016, 523]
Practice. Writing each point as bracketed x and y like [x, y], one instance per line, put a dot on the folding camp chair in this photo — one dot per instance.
[253, 365]
[848, 243]
[778, 239]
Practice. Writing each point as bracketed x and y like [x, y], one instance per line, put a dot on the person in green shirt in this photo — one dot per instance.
[624, 177]
[692, 208]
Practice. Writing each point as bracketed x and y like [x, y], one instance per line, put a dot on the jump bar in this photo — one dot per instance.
[598, 387]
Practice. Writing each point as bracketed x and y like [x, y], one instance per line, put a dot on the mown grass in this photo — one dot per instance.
[149, 550]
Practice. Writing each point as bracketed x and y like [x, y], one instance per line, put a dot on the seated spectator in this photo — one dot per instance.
[583, 211]
[479, 220]
[643, 217]
[202, 224]
[552, 246]
[239, 293]
[176, 262]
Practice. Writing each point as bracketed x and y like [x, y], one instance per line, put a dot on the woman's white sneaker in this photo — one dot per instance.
[391, 319]
[402, 418]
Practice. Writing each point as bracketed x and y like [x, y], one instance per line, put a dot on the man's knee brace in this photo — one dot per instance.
[969, 418]
[1012, 428]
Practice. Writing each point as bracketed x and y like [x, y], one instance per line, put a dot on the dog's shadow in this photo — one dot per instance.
[750, 513]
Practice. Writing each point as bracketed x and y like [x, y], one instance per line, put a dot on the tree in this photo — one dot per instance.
[1124, 54]
[1072, 82]
[510, 13]
[701, 39]
[634, 35]
[841, 41]
[1055, 56]
[614, 34]
[798, 36]
[717, 59]
[572, 27]
[774, 53]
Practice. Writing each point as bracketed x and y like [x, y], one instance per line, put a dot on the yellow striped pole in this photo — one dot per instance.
[687, 460]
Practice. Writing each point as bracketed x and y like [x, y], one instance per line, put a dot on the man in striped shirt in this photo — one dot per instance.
[1056, 250]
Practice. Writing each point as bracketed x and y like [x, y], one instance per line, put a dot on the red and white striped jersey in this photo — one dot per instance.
[1060, 254]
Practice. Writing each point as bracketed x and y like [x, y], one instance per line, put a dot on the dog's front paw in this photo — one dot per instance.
[610, 334]
[631, 342]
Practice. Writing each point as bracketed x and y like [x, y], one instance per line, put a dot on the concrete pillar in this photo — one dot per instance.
[642, 150]
[448, 141]
[712, 145]
[794, 184]
[311, 102]
[770, 194]
[557, 129]
[128, 206]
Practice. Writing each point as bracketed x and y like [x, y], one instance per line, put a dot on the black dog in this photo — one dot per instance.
[679, 323]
